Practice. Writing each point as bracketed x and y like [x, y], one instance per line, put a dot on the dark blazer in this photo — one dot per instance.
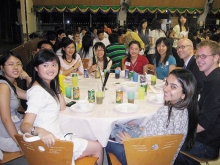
[200, 76]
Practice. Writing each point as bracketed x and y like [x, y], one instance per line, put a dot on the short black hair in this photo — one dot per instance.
[43, 42]
[113, 38]
[100, 31]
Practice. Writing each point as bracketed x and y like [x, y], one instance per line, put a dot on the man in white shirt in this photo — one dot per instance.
[101, 38]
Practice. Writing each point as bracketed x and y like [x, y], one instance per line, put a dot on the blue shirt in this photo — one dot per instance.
[163, 70]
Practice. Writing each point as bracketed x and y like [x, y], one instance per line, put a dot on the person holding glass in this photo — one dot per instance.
[70, 61]
[10, 119]
[179, 115]
[45, 101]
[164, 62]
[99, 58]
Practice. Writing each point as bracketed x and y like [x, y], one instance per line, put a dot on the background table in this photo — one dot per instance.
[98, 124]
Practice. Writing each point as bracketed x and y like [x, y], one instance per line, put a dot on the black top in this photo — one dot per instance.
[200, 76]
[209, 107]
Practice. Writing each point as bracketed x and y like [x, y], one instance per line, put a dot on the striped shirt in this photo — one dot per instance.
[116, 52]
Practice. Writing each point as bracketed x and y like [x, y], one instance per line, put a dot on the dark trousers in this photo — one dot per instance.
[199, 150]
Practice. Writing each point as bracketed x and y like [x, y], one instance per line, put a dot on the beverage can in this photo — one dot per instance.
[76, 94]
[145, 86]
[119, 96]
[127, 73]
[91, 96]
[142, 78]
[86, 73]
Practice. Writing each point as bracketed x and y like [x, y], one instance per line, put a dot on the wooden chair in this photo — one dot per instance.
[61, 153]
[200, 160]
[113, 159]
[151, 69]
[85, 63]
[152, 150]
[9, 156]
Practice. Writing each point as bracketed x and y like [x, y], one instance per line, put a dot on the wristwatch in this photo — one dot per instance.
[32, 131]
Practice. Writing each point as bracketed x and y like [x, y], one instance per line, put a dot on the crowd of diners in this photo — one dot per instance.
[186, 60]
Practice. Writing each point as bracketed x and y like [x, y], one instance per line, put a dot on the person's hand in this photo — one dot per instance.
[123, 136]
[47, 137]
[24, 76]
[93, 67]
[77, 64]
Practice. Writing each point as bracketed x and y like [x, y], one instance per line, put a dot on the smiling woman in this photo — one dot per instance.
[163, 61]
[10, 120]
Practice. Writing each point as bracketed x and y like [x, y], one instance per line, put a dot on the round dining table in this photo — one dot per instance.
[98, 122]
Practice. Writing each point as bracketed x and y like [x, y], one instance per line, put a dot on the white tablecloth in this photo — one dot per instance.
[98, 124]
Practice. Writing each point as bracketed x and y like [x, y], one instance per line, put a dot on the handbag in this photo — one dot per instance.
[133, 130]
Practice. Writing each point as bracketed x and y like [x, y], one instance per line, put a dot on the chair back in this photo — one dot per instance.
[85, 63]
[38, 153]
[153, 150]
[150, 69]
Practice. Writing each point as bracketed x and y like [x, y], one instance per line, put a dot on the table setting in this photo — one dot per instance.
[121, 103]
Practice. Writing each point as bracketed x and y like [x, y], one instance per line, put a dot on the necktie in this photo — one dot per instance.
[184, 67]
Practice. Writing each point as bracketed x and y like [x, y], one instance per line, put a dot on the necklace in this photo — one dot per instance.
[68, 61]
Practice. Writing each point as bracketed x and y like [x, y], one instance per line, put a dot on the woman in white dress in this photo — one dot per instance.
[180, 31]
[70, 61]
[44, 103]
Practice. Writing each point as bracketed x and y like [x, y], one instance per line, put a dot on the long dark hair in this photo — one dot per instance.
[167, 43]
[66, 43]
[3, 60]
[132, 42]
[87, 42]
[185, 24]
[140, 27]
[40, 58]
[188, 84]
[105, 60]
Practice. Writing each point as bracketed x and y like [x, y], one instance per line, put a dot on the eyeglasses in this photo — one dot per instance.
[202, 56]
[13, 65]
[182, 46]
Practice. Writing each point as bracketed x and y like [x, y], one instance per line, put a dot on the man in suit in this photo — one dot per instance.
[185, 52]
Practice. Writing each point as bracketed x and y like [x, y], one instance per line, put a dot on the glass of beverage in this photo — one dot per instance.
[99, 97]
[68, 91]
[141, 91]
[153, 79]
[131, 97]
[117, 73]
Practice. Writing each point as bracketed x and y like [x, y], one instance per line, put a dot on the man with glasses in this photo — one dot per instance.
[185, 52]
[207, 142]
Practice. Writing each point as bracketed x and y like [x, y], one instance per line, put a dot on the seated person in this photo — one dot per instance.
[163, 61]
[115, 51]
[70, 61]
[44, 103]
[99, 58]
[179, 115]
[134, 61]
[10, 119]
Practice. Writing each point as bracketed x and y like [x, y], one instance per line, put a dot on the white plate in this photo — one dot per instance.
[127, 108]
[153, 100]
[159, 86]
[76, 108]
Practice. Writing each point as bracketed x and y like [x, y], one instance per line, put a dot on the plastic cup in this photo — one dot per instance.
[141, 91]
[153, 80]
[117, 73]
[61, 82]
[135, 77]
[131, 97]
[99, 97]
[68, 92]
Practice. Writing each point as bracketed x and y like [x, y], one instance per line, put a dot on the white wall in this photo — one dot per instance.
[31, 16]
